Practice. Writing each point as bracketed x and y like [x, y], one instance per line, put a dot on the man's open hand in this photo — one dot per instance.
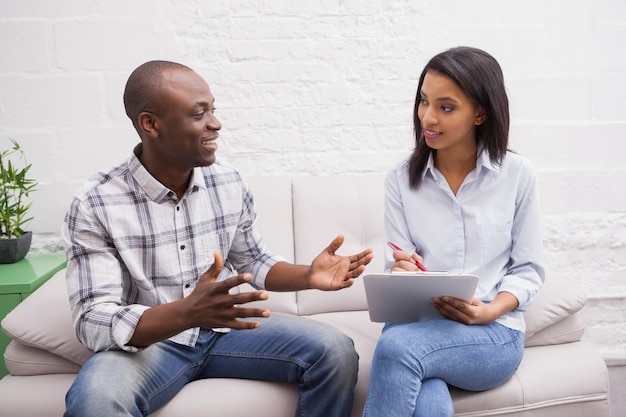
[330, 271]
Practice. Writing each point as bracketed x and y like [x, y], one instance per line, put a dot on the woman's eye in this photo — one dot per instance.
[447, 109]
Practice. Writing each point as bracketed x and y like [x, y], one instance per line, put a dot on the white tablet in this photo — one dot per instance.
[405, 297]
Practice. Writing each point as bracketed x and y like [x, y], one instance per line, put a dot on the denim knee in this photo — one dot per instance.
[335, 352]
[339, 348]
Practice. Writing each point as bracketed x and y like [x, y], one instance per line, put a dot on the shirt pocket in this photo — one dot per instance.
[495, 240]
[205, 249]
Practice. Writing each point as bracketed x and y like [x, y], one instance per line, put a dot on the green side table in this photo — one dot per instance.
[18, 281]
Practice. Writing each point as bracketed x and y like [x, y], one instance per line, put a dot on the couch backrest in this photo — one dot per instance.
[315, 210]
[324, 207]
[272, 198]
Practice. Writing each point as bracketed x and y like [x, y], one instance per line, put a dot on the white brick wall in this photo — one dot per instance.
[325, 87]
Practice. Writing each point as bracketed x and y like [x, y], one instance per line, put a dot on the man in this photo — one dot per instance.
[150, 289]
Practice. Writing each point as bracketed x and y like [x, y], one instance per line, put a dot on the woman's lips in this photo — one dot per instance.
[431, 134]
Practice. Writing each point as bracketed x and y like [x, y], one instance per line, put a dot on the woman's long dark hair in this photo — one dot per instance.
[480, 78]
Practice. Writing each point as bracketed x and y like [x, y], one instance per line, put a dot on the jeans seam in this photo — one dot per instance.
[281, 358]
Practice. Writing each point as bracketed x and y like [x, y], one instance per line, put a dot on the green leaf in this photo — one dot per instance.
[15, 186]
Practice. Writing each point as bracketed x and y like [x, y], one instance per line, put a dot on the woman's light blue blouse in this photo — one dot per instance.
[490, 228]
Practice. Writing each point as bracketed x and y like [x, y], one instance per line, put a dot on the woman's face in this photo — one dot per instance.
[448, 117]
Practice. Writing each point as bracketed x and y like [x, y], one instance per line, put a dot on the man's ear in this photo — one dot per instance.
[148, 124]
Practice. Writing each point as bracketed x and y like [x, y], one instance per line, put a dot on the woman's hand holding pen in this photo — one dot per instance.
[406, 261]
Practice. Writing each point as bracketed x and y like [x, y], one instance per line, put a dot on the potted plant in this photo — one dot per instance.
[14, 189]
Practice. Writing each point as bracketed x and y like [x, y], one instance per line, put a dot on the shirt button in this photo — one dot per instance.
[182, 247]
[177, 208]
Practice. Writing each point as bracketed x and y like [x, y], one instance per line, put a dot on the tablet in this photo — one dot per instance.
[405, 297]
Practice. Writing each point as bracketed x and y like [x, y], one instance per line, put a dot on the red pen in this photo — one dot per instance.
[396, 247]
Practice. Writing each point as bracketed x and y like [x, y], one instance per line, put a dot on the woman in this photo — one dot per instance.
[462, 203]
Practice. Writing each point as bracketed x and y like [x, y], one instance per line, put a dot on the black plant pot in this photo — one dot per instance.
[15, 249]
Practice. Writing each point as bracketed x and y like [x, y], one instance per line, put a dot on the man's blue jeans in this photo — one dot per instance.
[317, 357]
[414, 362]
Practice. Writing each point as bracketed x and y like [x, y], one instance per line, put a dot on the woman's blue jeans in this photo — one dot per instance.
[414, 363]
[317, 357]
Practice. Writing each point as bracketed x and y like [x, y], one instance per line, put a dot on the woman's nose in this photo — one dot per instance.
[428, 117]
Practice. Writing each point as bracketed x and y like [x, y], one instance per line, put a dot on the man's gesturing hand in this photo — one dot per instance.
[212, 306]
[330, 271]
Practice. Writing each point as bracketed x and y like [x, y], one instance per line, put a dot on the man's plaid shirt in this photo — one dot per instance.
[132, 245]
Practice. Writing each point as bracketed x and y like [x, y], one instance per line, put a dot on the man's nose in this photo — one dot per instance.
[214, 123]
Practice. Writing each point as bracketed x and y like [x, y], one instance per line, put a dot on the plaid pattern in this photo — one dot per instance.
[132, 245]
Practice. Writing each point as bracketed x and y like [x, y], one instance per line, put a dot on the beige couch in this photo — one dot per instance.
[559, 375]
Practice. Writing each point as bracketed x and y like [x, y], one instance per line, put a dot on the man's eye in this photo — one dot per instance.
[199, 115]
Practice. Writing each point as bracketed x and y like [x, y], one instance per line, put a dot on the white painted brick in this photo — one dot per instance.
[565, 191]
[49, 220]
[24, 46]
[46, 9]
[42, 151]
[52, 101]
[530, 56]
[555, 97]
[571, 146]
[105, 44]
[608, 51]
[609, 11]
[569, 48]
[610, 95]
[546, 13]
[84, 154]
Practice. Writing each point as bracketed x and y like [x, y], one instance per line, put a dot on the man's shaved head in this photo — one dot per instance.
[143, 88]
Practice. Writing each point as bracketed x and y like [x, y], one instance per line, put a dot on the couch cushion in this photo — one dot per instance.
[365, 334]
[26, 360]
[44, 321]
[556, 301]
[34, 396]
[549, 376]
[570, 329]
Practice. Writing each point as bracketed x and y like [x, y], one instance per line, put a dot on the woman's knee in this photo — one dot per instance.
[390, 347]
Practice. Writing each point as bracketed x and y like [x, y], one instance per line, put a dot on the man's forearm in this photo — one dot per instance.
[284, 276]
